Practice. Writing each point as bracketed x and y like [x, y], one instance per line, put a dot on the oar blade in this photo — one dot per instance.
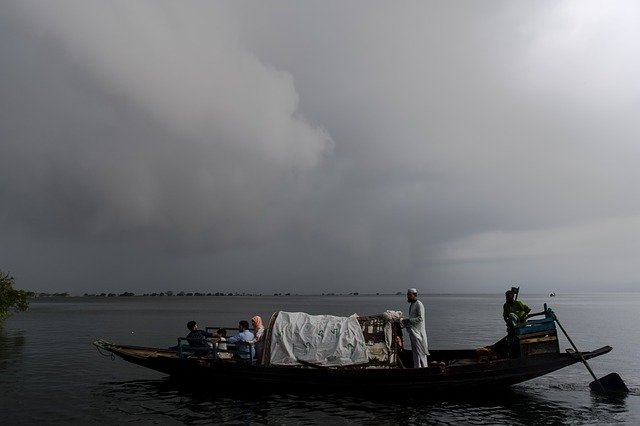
[612, 383]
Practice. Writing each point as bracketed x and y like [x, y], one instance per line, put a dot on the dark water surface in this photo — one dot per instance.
[50, 373]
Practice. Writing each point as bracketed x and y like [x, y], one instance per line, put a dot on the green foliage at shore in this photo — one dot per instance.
[11, 300]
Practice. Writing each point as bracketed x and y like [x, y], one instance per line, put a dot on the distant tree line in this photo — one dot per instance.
[64, 294]
[167, 293]
[170, 293]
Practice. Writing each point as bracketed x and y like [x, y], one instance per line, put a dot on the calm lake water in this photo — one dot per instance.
[50, 373]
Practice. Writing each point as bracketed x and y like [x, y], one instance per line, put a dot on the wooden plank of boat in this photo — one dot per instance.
[538, 339]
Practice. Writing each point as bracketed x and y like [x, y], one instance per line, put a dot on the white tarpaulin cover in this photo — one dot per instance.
[319, 339]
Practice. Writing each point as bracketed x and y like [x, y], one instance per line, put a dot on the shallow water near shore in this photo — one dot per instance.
[51, 373]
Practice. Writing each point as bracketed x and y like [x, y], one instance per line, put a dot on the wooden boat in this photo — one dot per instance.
[531, 351]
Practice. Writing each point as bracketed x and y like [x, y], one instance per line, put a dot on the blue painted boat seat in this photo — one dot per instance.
[536, 326]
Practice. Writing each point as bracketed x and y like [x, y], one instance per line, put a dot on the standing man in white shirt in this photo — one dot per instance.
[415, 325]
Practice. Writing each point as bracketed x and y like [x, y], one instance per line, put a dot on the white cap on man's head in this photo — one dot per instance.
[412, 290]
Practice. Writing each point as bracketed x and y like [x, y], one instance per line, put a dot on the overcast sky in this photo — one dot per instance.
[320, 146]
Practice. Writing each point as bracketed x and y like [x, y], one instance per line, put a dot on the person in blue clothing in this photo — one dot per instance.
[245, 352]
[197, 338]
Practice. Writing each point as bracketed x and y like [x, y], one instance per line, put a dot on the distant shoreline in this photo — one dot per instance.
[197, 294]
[42, 295]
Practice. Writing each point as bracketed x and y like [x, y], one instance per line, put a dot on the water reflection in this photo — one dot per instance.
[163, 401]
[609, 408]
[11, 347]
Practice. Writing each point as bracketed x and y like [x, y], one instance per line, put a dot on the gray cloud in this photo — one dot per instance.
[319, 147]
[148, 128]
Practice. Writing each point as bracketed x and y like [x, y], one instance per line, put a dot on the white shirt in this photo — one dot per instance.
[417, 329]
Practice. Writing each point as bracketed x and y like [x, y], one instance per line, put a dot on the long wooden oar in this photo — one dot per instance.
[611, 383]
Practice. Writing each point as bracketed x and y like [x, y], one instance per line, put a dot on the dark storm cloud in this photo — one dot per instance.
[318, 147]
[126, 134]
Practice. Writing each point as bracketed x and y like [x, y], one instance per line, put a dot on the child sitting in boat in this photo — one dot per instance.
[221, 334]
[221, 345]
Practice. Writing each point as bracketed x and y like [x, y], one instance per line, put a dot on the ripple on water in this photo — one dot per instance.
[165, 402]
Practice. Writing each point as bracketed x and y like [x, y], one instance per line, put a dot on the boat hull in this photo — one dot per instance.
[487, 376]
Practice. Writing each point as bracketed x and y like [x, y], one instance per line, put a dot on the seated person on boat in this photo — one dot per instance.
[258, 328]
[221, 344]
[245, 351]
[221, 334]
[197, 338]
[514, 311]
